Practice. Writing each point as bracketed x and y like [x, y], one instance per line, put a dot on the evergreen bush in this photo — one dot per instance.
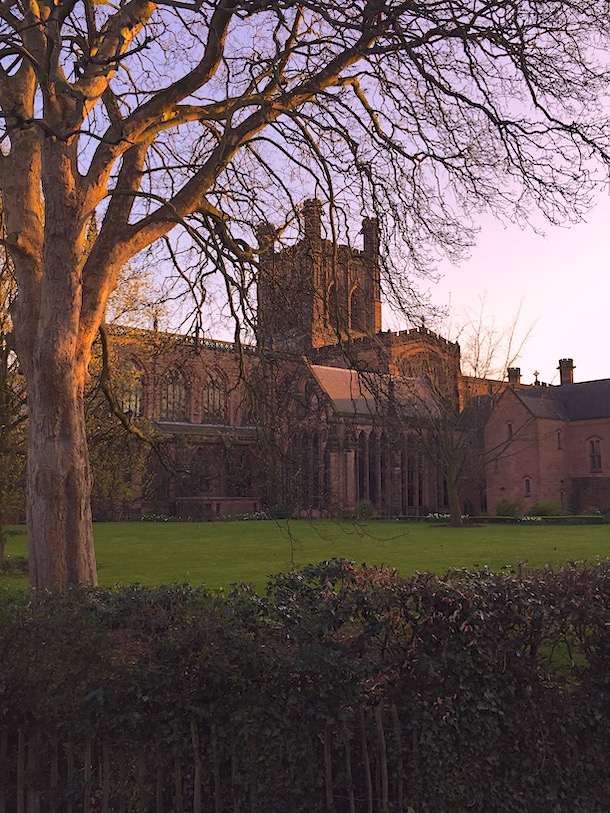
[508, 508]
[281, 511]
[364, 510]
[345, 688]
[547, 508]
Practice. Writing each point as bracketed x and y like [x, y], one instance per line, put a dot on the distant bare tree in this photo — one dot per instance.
[212, 117]
[461, 386]
[489, 347]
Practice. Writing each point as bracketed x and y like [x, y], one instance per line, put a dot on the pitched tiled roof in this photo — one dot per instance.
[543, 402]
[353, 392]
[346, 389]
[588, 399]
[585, 400]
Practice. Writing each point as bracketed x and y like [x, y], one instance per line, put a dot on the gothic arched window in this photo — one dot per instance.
[312, 401]
[363, 458]
[173, 396]
[357, 311]
[131, 390]
[336, 317]
[214, 400]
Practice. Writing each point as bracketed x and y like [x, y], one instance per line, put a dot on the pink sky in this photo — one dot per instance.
[562, 280]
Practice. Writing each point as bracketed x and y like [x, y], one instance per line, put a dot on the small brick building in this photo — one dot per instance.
[549, 443]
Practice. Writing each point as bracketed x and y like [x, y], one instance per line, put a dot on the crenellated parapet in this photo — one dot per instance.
[316, 292]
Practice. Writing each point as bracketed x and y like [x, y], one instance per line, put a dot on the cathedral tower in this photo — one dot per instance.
[316, 293]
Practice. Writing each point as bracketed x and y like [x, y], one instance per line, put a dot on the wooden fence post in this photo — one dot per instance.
[105, 778]
[328, 767]
[197, 773]
[87, 775]
[20, 771]
[366, 762]
[348, 769]
[383, 757]
[401, 764]
[3, 769]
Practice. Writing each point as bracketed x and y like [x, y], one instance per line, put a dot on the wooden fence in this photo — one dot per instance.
[357, 766]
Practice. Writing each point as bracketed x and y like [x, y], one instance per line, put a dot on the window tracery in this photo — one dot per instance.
[173, 396]
[132, 390]
[214, 400]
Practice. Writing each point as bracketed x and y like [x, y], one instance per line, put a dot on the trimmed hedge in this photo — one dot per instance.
[345, 689]
[563, 519]
[535, 519]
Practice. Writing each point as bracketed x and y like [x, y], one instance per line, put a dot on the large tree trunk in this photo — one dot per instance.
[54, 358]
[455, 511]
[59, 480]
[59, 486]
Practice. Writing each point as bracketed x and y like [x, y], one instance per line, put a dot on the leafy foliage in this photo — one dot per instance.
[547, 508]
[508, 508]
[14, 566]
[281, 511]
[365, 509]
[344, 682]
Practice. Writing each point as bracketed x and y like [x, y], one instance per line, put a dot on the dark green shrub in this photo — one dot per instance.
[508, 508]
[14, 566]
[364, 509]
[281, 511]
[342, 683]
[547, 508]
[495, 520]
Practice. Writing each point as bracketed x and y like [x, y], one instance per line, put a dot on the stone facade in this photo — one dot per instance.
[241, 431]
[329, 411]
[550, 444]
[317, 293]
[318, 417]
[192, 397]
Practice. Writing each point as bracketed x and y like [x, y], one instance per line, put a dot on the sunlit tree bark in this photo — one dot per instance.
[210, 119]
[12, 405]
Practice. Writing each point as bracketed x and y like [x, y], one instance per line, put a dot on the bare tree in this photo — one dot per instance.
[213, 117]
[462, 382]
[488, 347]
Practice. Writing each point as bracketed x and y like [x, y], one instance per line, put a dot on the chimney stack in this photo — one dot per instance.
[514, 375]
[566, 371]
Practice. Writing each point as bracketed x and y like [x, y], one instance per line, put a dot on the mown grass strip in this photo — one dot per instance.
[223, 553]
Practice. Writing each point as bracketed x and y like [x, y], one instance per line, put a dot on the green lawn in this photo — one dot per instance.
[222, 553]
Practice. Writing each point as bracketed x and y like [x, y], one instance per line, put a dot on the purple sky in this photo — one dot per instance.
[562, 280]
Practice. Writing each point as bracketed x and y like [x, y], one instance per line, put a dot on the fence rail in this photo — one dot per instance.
[358, 766]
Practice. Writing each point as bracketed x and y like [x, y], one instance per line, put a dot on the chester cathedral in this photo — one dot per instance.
[327, 413]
